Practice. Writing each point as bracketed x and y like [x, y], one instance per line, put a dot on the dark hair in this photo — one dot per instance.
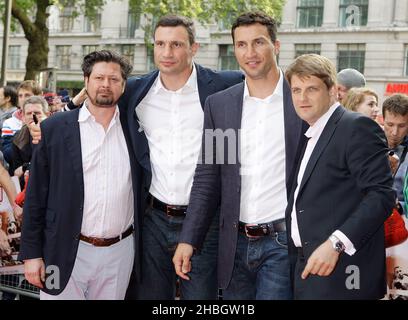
[106, 56]
[250, 18]
[396, 104]
[11, 92]
[175, 21]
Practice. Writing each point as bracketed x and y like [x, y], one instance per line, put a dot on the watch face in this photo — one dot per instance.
[339, 246]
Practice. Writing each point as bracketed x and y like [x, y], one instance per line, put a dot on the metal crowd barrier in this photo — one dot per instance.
[14, 285]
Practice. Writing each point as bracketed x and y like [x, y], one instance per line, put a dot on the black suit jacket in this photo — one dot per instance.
[347, 185]
[53, 207]
[214, 182]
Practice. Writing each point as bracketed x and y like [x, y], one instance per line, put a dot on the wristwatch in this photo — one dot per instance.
[337, 244]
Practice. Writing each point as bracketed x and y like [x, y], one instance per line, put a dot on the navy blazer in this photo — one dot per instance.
[208, 82]
[347, 185]
[54, 201]
[217, 182]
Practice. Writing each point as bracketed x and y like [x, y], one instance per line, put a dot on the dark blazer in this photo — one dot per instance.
[211, 181]
[53, 207]
[208, 82]
[347, 185]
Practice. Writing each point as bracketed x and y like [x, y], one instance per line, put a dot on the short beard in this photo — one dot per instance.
[103, 102]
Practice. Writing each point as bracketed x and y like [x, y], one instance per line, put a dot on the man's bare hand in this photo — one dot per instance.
[80, 97]
[34, 271]
[181, 260]
[35, 132]
[322, 261]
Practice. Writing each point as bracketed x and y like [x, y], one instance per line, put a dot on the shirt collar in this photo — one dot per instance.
[85, 115]
[319, 125]
[190, 84]
[278, 90]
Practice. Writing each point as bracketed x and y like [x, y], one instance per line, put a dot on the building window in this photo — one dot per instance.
[351, 56]
[133, 23]
[406, 60]
[14, 57]
[63, 57]
[226, 59]
[66, 19]
[128, 51]
[353, 13]
[310, 13]
[92, 25]
[304, 48]
[150, 58]
[88, 49]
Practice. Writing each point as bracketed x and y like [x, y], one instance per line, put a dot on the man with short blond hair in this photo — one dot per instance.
[342, 195]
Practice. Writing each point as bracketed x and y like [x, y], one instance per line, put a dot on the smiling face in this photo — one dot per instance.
[255, 51]
[311, 97]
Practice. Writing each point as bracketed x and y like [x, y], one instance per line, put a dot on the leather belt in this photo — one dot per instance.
[262, 229]
[101, 242]
[170, 210]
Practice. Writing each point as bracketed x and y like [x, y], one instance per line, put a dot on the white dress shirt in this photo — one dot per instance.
[173, 124]
[108, 201]
[313, 133]
[262, 156]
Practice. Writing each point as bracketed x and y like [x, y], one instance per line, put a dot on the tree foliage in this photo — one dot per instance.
[32, 15]
[207, 10]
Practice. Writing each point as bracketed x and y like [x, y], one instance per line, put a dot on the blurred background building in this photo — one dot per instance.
[368, 35]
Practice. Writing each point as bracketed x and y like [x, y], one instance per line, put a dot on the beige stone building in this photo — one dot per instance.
[369, 35]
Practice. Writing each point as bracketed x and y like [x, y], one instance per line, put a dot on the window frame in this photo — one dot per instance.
[317, 10]
[350, 56]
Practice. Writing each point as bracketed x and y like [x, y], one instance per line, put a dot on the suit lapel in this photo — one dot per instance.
[72, 140]
[324, 139]
[293, 130]
[233, 120]
[204, 83]
[138, 138]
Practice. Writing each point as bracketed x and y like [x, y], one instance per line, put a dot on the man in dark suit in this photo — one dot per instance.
[80, 211]
[342, 196]
[252, 177]
[165, 115]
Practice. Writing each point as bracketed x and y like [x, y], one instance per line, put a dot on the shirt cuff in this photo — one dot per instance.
[350, 250]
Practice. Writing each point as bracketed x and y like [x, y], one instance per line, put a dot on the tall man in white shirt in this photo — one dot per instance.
[253, 257]
[80, 208]
[166, 108]
[342, 195]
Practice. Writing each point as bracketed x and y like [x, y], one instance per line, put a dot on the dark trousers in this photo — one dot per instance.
[261, 269]
[160, 237]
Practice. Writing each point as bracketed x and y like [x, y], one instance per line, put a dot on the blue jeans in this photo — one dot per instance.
[261, 269]
[160, 237]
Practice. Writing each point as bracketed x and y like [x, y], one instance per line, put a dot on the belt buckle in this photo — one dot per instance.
[247, 234]
[168, 208]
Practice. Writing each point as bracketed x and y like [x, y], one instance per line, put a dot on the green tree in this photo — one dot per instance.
[204, 10]
[32, 16]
